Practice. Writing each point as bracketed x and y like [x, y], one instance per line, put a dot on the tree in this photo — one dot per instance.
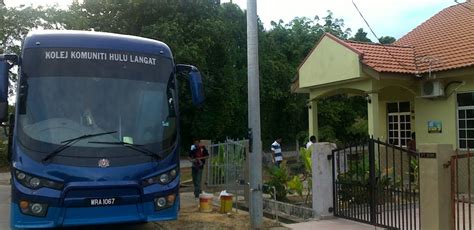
[360, 36]
[341, 118]
[334, 26]
[211, 36]
[15, 24]
[387, 40]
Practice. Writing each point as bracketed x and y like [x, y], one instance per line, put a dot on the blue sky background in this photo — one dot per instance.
[387, 17]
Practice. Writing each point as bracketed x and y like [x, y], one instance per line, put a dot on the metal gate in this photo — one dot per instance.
[462, 199]
[377, 183]
[225, 166]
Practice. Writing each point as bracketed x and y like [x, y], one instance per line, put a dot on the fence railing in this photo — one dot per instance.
[462, 199]
[226, 164]
[377, 183]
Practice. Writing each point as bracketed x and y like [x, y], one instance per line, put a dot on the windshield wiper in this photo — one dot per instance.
[136, 147]
[67, 143]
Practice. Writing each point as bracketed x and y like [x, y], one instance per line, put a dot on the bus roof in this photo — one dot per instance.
[92, 39]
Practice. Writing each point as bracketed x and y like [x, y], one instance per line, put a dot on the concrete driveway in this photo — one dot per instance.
[4, 207]
[333, 224]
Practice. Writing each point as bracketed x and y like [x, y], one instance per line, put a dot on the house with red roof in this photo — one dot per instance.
[423, 82]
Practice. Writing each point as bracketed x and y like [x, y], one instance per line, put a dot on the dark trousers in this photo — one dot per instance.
[277, 163]
[197, 176]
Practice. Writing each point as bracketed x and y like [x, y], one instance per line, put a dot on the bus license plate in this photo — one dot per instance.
[102, 201]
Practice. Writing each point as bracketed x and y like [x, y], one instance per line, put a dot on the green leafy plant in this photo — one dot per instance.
[305, 155]
[227, 155]
[353, 185]
[296, 185]
[216, 165]
[278, 179]
[304, 175]
[414, 171]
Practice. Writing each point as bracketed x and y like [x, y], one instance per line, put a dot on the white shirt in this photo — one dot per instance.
[276, 148]
[308, 145]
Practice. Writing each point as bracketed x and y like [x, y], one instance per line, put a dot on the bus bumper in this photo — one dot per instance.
[75, 216]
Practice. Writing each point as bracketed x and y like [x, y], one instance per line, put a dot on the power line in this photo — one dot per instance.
[376, 37]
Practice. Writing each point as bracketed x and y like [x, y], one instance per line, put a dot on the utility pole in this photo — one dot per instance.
[256, 204]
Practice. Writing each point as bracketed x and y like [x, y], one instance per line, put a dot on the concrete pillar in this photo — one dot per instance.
[435, 187]
[247, 173]
[373, 115]
[313, 118]
[322, 178]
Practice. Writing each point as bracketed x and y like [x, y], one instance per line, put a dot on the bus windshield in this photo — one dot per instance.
[63, 96]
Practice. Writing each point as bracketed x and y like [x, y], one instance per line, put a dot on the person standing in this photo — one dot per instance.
[276, 150]
[311, 141]
[197, 155]
[411, 145]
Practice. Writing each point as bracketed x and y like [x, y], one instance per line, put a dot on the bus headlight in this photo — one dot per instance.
[163, 178]
[33, 209]
[37, 208]
[34, 182]
[164, 202]
[160, 202]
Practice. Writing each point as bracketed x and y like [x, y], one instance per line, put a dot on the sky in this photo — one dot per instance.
[386, 17]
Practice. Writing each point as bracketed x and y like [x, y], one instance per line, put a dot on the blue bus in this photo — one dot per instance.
[95, 134]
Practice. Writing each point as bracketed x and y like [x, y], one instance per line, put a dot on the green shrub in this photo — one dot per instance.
[4, 163]
[354, 184]
[278, 179]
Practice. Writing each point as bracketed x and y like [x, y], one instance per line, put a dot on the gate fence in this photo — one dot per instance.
[377, 183]
[462, 199]
[225, 165]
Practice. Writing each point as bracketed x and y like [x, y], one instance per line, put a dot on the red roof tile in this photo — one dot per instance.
[446, 40]
[382, 58]
[387, 58]
[443, 42]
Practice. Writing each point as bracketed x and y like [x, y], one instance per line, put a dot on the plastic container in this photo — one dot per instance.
[205, 202]
[226, 203]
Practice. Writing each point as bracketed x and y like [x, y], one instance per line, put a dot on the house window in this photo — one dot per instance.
[465, 120]
[399, 123]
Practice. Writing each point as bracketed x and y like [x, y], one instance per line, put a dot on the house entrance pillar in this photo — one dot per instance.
[435, 186]
[313, 118]
[373, 114]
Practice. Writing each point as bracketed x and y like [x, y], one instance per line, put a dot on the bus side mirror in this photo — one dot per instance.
[197, 91]
[195, 82]
[4, 67]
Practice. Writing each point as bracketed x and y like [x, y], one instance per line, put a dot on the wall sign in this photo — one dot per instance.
[427, 155]
[435, 126]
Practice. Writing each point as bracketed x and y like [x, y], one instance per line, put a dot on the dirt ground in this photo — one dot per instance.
[185, 174]
[191, 218]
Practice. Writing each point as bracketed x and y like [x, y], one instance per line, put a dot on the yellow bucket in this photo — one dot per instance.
[205, 202]
[226, 203]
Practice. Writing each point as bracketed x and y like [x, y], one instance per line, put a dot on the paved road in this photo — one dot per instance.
[4, 206]
[184, 163]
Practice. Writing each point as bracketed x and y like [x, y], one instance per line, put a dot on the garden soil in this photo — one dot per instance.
[191, 218]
